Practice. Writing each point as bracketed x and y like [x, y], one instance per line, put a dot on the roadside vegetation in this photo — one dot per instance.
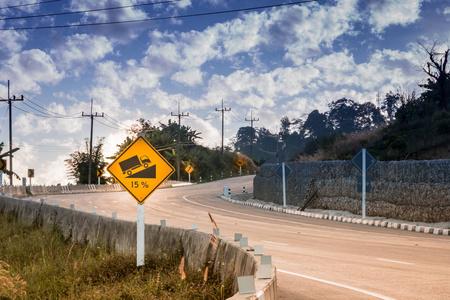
[38, 262]
[404, 125]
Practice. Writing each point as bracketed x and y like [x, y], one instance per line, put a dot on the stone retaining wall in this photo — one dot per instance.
[408, 190]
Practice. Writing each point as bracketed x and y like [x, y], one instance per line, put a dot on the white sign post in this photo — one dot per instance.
[140, 228]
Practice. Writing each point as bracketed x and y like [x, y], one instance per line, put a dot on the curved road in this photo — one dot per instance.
[316, 259]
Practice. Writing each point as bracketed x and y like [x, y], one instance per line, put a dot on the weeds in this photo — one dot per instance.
[40, 263]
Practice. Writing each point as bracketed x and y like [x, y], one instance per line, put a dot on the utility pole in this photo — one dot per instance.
[179, 115]
[251, 132]
[90, 141]
[223, 110]
[10, 100]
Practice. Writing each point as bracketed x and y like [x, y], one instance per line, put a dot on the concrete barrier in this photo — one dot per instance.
[120, 235]
[34, 190]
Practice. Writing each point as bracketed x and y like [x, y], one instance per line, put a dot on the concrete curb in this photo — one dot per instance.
[377, 223]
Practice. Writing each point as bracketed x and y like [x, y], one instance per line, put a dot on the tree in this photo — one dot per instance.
[391, 103]
[436, 69]
[316, 124]
[243, 139]
[78, 163]
[343, 114]
[347, 116]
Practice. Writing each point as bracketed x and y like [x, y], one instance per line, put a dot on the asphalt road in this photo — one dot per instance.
[316, 259]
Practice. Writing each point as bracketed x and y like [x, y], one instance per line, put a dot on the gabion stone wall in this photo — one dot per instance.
[416, 191]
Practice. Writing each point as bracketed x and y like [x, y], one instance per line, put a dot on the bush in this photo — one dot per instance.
[441, 122]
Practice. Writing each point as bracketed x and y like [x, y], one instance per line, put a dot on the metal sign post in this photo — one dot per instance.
[364, 183]
[363, 161]
[283, 172]
[189, 170]
[283, 165]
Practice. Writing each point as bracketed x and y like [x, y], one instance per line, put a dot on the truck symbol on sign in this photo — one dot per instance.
[129, 164]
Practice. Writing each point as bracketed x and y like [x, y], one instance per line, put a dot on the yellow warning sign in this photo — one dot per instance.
[3, 164]
[239, 163]
[189, 169]
[140, 169]
[99, 173]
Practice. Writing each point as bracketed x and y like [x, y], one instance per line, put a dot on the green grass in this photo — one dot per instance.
[39, 263]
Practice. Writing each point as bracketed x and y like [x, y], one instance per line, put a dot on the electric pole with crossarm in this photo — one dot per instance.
[251, 132]
[223, 110]
[92, 116]
[10, 100]
[179, 115]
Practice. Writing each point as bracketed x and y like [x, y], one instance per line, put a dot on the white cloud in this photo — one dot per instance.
[119, 32]
[393, 12]
[80, 50]
[118, 83]
[47, 122]
[190, 77]
[11, 42]
[30, 68]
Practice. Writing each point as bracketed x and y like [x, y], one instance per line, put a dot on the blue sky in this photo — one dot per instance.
[274, 62]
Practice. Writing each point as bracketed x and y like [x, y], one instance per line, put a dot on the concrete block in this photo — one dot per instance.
[237, 237]
[246, 285]
[259, 250]
[266, 260]
[264, 272]
[243, 242]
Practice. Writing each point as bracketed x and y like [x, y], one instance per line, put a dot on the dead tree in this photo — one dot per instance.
[436, 69]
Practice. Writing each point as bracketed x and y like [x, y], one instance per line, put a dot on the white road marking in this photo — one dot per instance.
[396, 261]
[339, 285]
[176, 204]
[269, 242]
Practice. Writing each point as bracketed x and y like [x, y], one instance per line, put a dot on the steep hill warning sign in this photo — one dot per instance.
[140, 169]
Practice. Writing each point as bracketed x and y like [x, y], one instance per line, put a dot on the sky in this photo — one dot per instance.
[263, 63]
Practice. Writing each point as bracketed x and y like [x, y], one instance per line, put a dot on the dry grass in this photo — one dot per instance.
[39, 263]
[346, 148]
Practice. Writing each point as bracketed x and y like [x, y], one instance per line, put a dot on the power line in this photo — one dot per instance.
[4, 118]
[86, 11]
[116, 128]
[29, 4]
[55, 113]
[45, 115]
[160, 18]
[123, 124]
